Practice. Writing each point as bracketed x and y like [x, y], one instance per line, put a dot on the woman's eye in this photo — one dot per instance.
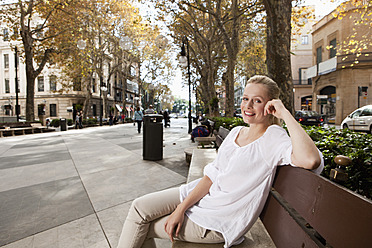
[258, 101]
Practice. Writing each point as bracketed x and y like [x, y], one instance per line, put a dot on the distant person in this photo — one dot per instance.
[166, 118]
[77, 120]
[150, 110]
[81, 119]
[111, 119]
[138, 117]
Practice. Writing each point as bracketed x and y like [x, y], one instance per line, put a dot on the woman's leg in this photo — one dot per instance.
[143, 211]
[139, 124]
[189, 232]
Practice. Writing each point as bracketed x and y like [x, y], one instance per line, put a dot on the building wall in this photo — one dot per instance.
[346, 78]
[301, 57]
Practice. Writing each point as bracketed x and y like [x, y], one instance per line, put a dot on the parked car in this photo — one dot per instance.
[309, 118]
[359, 120]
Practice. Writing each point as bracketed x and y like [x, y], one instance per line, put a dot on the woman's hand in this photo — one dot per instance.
[276, 108]
[173, 222]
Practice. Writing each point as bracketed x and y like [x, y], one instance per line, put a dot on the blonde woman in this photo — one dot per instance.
[223, 205]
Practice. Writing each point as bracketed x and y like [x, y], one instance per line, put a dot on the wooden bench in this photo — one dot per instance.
[302, 210]
[23, 129]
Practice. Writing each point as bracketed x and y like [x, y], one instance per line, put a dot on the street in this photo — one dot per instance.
[73, 188]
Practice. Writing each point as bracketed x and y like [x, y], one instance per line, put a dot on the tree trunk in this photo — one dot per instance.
[278, 47]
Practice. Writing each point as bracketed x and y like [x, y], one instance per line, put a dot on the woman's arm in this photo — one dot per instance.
[304, 152]
[175, 220]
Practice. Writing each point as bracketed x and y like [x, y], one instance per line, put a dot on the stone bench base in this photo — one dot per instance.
[23, 131]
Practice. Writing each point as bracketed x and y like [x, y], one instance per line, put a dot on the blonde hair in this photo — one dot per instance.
[272, 90]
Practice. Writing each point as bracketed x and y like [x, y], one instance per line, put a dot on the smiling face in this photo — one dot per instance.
[255, 97]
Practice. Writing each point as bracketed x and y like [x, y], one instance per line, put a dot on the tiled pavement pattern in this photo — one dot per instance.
[73, 189]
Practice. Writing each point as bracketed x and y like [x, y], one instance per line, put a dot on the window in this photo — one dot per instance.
[318, 55]
[366, 112]
[304, 39]
[333, 48]
[93, 85]
[53, 110]
[356, 114]
[40, 109]
[5, 34]
[94, 110]
[7, 85]
[40, 84]
[6, 61]
[53, 83]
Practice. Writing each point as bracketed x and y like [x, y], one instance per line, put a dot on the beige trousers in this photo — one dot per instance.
[146, 219]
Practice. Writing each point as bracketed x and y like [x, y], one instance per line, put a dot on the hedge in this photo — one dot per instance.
[332, 142]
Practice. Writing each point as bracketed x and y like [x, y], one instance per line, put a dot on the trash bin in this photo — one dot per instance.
[152, 137]
[63, 124]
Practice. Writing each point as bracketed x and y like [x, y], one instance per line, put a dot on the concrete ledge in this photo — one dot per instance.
[200, 158]
[205, 140]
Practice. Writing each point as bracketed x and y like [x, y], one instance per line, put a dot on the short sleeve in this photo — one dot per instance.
[277, 147]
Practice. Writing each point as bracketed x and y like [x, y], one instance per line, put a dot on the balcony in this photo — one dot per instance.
[327, 66]
[302, 82]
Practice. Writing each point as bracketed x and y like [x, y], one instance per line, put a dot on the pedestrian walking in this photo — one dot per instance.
[138, 117]
[150, 110]
[166, 118]
[77, 120]
[81, 119]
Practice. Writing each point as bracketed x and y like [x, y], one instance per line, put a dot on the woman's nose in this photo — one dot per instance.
[250, 104]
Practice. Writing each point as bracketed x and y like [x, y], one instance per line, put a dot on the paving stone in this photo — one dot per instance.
[41, 207]
[35, 158]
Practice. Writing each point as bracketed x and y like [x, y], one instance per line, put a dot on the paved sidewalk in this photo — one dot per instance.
[73, 189]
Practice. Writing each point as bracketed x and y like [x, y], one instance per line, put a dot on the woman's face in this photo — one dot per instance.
[255, 97]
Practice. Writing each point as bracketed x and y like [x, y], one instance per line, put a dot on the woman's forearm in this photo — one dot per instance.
[304, 154]
[201, 189]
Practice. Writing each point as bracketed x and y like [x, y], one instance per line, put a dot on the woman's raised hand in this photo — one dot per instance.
[174, 222]
[276, 108]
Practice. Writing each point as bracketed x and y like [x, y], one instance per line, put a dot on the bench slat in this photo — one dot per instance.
[341, 217]
[283, 229]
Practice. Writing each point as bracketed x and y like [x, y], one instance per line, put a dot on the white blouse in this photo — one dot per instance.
[242, 178]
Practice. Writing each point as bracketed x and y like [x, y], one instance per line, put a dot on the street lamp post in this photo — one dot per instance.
[16, 81]
[102, 88]
[185, 58]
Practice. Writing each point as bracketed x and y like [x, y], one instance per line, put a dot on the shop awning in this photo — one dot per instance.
[119, 108]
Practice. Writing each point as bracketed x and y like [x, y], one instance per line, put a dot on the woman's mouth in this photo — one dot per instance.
[249, 113]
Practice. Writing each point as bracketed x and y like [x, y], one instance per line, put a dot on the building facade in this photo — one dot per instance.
[51, 102]
[301, 59]
[338, 73]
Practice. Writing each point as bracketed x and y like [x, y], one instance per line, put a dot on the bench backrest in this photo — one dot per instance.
[307, 210]
[221, 135]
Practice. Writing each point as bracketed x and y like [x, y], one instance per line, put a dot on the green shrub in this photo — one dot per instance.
[127, 119]
[70, 122]
[355, 145]
[91, 121]
[54, 123]
[227, 122]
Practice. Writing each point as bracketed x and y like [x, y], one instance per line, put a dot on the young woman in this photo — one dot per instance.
[224, 204]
